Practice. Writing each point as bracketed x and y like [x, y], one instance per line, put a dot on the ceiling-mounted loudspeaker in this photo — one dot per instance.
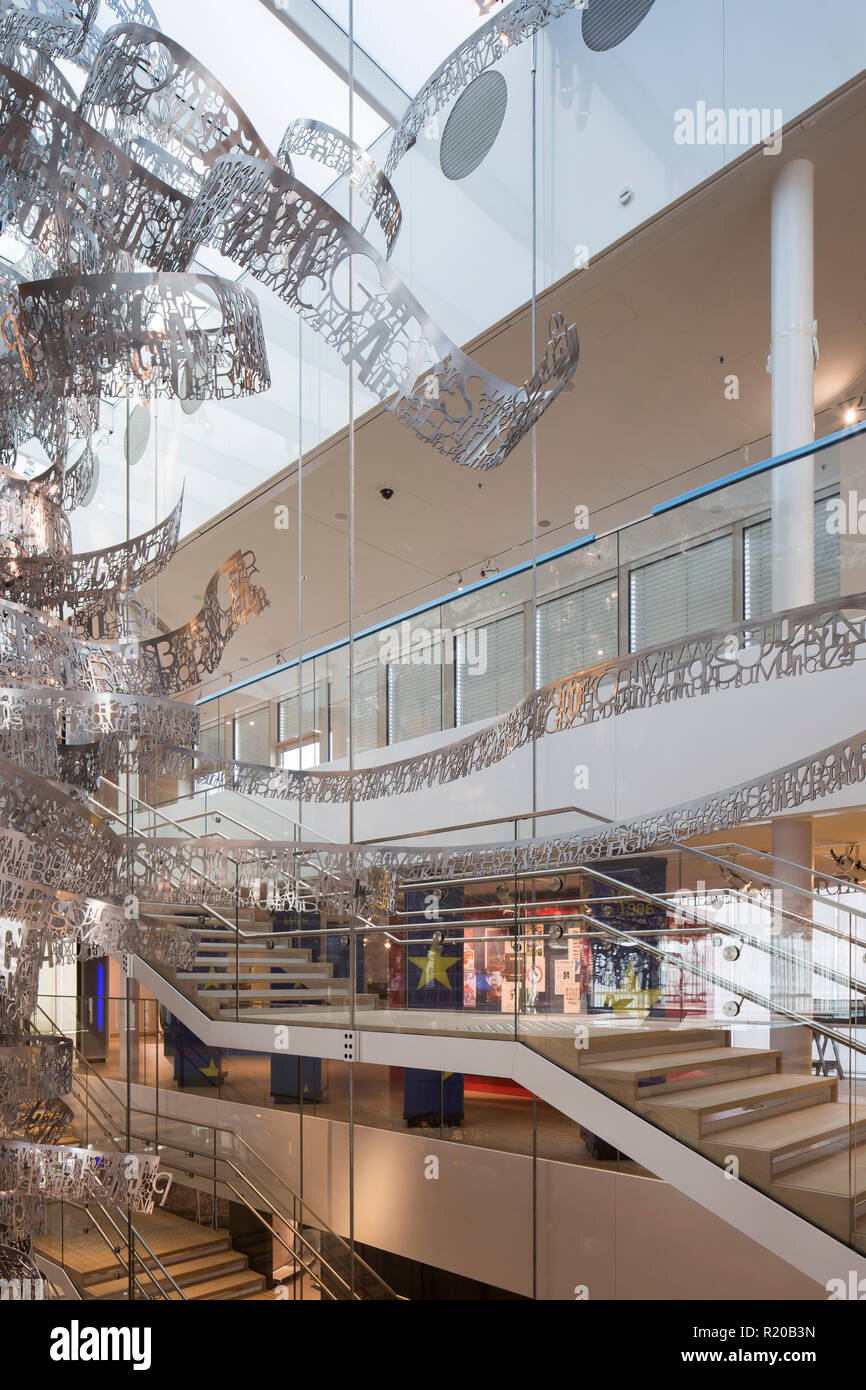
[137, 434]
[190, 403]
[94, 484]
[471, 129]
[607, 23]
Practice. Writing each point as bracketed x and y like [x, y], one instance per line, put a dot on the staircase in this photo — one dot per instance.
[788, 1132]
[201, 1261]
[240, 976]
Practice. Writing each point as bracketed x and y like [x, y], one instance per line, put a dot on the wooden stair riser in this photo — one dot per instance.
[764, 1166]
[185, 1273]
[262, 1012]
[260, 972]
[696, 1118]
[607, 1047]
[337, 990]
[670, 1075]
[219, 1244]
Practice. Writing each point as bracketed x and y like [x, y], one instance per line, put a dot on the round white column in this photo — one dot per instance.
[793, 378]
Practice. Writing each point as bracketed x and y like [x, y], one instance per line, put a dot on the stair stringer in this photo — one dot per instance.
[748, 1210]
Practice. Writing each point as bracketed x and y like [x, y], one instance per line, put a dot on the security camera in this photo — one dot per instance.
[386, 492]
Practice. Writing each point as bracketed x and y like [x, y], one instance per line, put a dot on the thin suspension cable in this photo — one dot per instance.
[353, 935]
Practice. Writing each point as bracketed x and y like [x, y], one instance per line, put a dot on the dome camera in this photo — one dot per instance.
[386, 492]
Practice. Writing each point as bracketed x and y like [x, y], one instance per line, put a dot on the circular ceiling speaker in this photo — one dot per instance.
[94, 484]
[606, 23]
[137, 434]
[191, 381]
[472, 127]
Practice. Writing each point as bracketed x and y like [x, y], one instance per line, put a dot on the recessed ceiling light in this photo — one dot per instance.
[341, 516]
[543, 523]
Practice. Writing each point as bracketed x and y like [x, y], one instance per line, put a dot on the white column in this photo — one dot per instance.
[793, 377]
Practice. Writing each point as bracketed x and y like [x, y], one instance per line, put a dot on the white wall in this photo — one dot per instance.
[621, 1236]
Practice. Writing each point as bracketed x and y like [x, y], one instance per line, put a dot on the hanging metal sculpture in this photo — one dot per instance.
[108, 198]
[195, 336]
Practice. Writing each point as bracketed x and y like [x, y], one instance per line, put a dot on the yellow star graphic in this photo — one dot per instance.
[434, 968]
[210, 1070]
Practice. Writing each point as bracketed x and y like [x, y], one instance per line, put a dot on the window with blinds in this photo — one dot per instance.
[366, 721]
[489, 669]
[209, 741]
[682, 593]
[297, 715]
[575, 631]
[415, 698]
[758, 563]
[251, 735]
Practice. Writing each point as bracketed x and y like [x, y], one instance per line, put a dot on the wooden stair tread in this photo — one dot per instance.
[658, 1063]
[312, 972]
[732, 1093]
[362, 1001]
[227, 1286]
[185, 1273]
[255, 957]
[170, 1237]
[779, 1132]
[329, 989]
[199, 1266]
[840, 1174]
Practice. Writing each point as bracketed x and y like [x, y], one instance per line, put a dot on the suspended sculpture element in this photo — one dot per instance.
[295, 243]
[70, 1174]
[335, 875]
[330, 147]
[195, 336]
[509, 27]
[85, 582]
[158, 104]
[114, 206]
[145, 87]
[109, 198]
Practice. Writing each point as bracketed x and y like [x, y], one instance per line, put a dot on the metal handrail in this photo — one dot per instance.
[233, 927]
[107, 1242]
[323, 1288]
[772, 1006]
[214, 1130]
[88, 1208]
[200, 815]
[138, 1239]
[782, 882]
